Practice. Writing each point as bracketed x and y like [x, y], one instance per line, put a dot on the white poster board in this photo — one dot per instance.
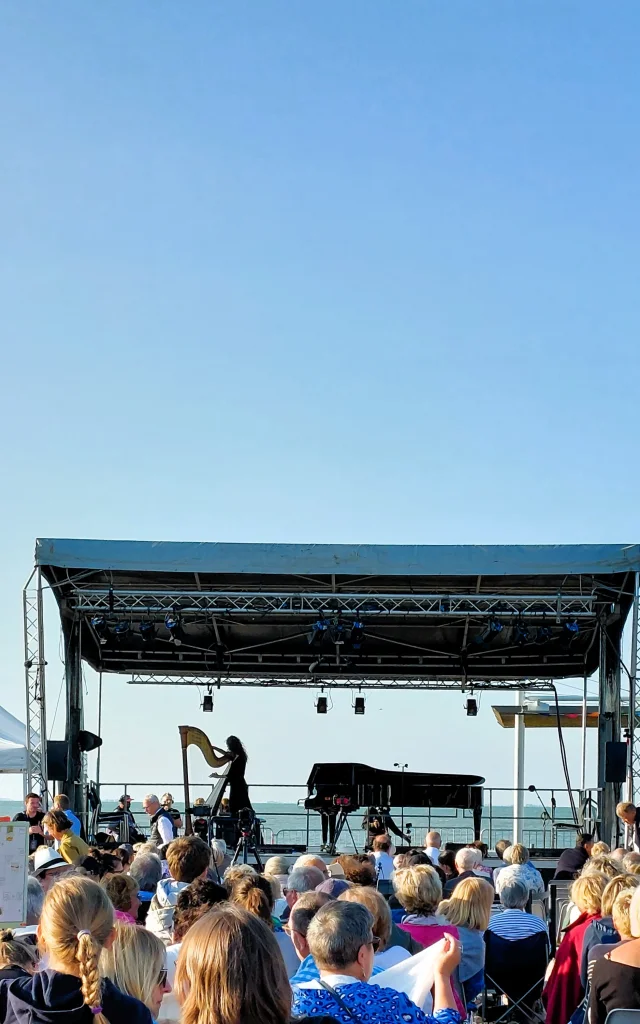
[14, 862]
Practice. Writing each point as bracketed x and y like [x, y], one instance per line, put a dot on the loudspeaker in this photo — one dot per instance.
[57, 760]
[615, 769]
[88, 741]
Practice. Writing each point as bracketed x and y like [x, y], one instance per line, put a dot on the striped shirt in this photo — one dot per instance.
[515, 924]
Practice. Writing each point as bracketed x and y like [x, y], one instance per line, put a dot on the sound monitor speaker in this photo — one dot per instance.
[88, 741]
[615, 769]
[57, 760]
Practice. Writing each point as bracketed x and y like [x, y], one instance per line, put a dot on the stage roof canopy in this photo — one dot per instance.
[287, 611]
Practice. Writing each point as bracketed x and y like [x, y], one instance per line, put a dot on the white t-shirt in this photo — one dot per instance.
[384, 864]
[432, 852]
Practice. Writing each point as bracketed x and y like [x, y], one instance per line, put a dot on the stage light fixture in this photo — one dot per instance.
[358, 706]
[121, 630]
[147, 631]
[490, 632]
[520, 634]
[321, 706]
[174, 626]
[101, 628]
[317, 665]
[471, 707]
[544, 634]
[357, 635]
[318, 632]
[572, 629]
[207, 702]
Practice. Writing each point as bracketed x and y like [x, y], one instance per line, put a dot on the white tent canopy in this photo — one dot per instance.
[13, 740]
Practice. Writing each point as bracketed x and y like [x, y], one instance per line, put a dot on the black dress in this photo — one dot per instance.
[238, 789]
[614, 986]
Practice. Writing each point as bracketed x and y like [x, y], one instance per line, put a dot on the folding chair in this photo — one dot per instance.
[514, 977]
[623, 1017]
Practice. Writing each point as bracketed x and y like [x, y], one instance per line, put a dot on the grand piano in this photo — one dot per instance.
[350, 787]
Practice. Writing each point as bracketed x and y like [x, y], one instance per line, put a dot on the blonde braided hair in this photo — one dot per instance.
[76, 921]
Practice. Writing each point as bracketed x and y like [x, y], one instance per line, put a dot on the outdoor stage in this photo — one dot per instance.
[360, 617]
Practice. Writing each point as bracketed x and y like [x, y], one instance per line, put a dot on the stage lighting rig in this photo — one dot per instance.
[543, 634]
[572, 629]
[121, 631]
[358, 706]
[207, 701]
[101, 627]
[490, 632]
[471, 707]
[321, 705]
[318, 632]
[520, 633]
[357, 635]
[147, 631]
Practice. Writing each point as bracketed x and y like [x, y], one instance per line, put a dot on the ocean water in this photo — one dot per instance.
[290, 823]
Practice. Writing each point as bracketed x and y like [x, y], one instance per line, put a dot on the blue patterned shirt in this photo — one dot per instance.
[370, 1003]
[308, 971]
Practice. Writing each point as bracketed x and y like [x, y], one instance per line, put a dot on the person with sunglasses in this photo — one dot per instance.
[135, 963]
[343, 945]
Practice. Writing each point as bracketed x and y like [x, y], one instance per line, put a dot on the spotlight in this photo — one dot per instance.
[321, 706]
[337, 632]
[471, 707]
[520, 633]
[358, 706]
[207, 702]
[174, 626]
[147, 631]
[572, 629]
[121, 631]
[490, 631]
[357, 635]
[544, 634]
[101, 627]
[318, 632]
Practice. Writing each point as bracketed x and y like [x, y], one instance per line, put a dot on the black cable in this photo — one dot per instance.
[563, 757]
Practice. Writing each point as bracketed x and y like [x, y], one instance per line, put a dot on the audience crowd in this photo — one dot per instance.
[169, 931]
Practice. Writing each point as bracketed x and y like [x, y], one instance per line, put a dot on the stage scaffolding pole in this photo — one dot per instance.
[36, 706]
[633, 782]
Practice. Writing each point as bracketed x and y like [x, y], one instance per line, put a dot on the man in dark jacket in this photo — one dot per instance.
[571, 862]
[630, 815]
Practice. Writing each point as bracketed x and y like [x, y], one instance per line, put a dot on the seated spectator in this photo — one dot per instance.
[602, 865]
[334, 887]
[235, 873]
[383, 852]
[193, 903]
[300, 880]
[122, 890]
[467, 862]
[400, 861]
[147, 872]
[563, 991]
[483, 869]
[514, 922]
[342, 943]
[188, 859]
[359, 870]
[631, 861]
[61, 802]
[469, 910]
[600, 849]
[521, 867]
[432, 845]
[622, 924]
[447, 862]
[387, 953]
[618, 855]
[415, 857]
[48, 866]
[134, 962]
[35, 902]
[70, 846]
[419, 891]
[255, 894]
[310, 860]
[75, 926]
[572, 861]
[18, 958]
[604, 932]
[277, 867]
[279, 902]
[615, 982]
[126, 855]
[230, 970]
[302, 915]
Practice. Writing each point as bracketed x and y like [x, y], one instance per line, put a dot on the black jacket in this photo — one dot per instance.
[53, 998]
[570, 863]
[451, 884]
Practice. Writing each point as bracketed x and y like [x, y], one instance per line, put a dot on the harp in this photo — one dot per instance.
[192, 736]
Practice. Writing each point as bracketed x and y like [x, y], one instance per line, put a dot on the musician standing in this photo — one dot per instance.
[238, 789]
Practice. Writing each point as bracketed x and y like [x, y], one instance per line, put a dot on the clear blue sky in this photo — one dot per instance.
[316, 272]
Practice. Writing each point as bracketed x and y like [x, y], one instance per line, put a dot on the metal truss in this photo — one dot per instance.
[306, 682]
[34, 667]
[152, 602]
[634, 697]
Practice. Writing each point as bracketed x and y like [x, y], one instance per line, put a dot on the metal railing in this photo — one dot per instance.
[301, 826]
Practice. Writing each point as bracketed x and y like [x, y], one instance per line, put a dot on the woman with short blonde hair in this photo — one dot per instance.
[135, 964]
[419, 890]
[599, 849]
[230, 971]
[602, 866]
[469, 910]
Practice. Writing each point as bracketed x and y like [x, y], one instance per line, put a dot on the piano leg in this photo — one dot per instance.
[477, 822]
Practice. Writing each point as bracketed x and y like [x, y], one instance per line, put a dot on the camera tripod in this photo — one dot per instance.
[247, 844]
